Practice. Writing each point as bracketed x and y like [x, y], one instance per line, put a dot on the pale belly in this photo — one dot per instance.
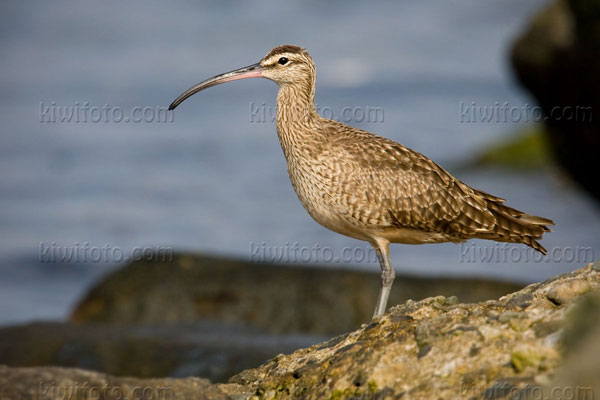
[322, 202]
[313, 187]
[320, 205]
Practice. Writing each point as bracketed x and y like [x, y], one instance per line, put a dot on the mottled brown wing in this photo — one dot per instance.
[407, 189]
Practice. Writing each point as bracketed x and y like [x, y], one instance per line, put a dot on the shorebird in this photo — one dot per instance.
[368, 187]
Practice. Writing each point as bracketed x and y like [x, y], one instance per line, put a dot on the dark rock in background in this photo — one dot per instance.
[211, 317]
[273, 298]
[209, 350]
[558, 60]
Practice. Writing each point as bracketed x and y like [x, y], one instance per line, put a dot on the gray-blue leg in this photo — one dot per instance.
[382, 249]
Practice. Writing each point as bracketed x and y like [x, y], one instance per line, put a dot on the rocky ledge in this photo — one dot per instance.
[540, 341]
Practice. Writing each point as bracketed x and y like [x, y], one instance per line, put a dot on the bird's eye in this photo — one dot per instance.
[283, 61]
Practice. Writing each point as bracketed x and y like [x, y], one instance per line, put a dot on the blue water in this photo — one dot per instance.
[215, 181]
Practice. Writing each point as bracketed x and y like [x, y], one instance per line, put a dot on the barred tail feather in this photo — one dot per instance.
[517, 227]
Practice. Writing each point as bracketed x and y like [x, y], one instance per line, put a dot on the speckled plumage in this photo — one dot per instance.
[368, 187]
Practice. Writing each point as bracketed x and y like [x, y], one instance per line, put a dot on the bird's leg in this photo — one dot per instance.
[382, 249]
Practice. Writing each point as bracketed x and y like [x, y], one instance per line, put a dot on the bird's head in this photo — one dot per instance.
[286, 65]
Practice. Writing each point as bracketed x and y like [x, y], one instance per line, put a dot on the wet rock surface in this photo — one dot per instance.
[523, 344]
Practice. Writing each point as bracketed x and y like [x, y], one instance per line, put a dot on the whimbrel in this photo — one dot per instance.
[368, 187]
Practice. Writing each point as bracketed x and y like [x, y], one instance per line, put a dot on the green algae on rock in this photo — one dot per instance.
[526, 149]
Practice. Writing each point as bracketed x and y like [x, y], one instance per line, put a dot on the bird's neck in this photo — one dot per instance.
[296, 115]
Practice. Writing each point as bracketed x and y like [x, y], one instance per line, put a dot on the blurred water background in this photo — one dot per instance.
[214, 179]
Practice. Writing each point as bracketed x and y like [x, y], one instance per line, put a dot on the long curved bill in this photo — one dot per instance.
[251, 71]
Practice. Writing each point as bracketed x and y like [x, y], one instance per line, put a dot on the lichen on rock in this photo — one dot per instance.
[434, 349]
[429, 349]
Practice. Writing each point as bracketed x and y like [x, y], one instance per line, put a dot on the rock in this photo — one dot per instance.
[557, 59]
[210, 350]
[53, 383]
[538, 357]
[546, 328]
[522, 300]
[582, 321]
[452, 300]
[429, 355]
[509, 315]
[578, 376]
[517, 320]
[567, 291]
[526, 149]
[429, 349]
[274, 298]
